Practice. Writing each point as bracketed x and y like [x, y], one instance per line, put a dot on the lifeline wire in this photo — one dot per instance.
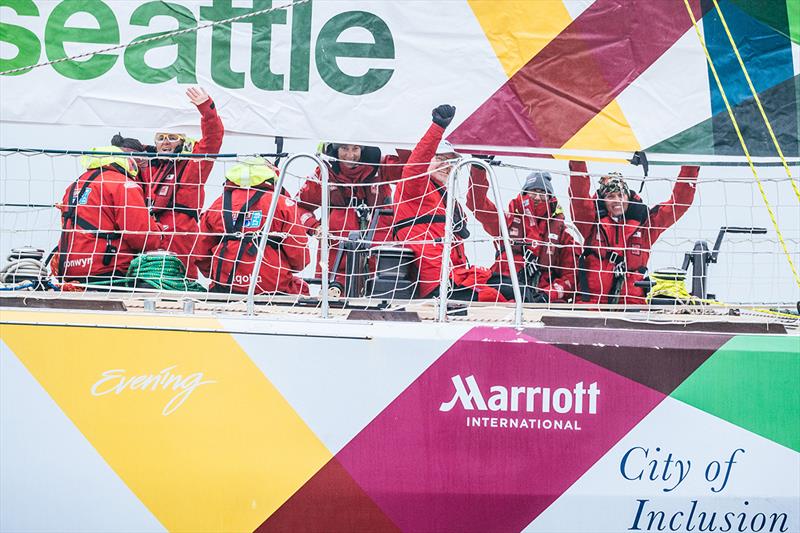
[758, 100]
[157, 37]
[743, 143]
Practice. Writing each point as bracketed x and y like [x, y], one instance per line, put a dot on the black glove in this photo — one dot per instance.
[443, 115]
[538, 297]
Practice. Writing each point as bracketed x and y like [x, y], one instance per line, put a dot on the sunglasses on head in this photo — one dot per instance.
[171, 137]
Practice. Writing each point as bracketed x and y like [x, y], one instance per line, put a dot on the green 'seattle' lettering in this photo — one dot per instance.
[329, 49]
[56, 33]
[260, 46]
[25, 41]
[184, 67]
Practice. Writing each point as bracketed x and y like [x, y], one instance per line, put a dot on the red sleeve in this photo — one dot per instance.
[581, 202]
[295, 243]
[392, 169]
[415, 177]
[212, 130]
[140, 230]
[210, 235]
[668, 213]
[310, 195]
[569, 252]
[479, 203]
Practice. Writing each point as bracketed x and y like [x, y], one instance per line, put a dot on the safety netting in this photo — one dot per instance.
[461, 233]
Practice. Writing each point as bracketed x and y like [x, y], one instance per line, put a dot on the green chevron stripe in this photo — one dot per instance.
[781, 17]
[753, 382]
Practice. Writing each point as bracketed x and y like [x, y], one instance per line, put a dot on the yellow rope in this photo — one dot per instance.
[669, 287]
[758, 100]
[744, 145]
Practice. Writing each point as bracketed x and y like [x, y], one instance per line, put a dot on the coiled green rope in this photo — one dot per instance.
[161, 271]
[158, 271]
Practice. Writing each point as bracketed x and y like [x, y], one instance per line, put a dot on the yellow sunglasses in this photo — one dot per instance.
[171, 137]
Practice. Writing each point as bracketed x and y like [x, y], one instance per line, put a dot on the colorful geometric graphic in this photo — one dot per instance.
[456, 428]
[602, 81]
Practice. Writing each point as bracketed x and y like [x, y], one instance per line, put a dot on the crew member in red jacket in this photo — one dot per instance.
[619, 231]
[175, 187]
[227, 248]
[545, 253]
[420, 205]
[105, 222]
[357, 175]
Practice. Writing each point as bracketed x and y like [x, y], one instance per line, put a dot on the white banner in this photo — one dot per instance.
[369, 70]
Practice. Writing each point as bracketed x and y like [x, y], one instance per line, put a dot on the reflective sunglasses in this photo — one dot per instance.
[171, 137]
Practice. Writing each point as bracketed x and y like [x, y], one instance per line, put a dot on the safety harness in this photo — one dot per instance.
[172, 205]
[71, 218]
[636, 211]
[459, 220]
[233, 232]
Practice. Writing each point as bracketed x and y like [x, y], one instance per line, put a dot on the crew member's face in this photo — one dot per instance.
[616, 203]
[537, 195]
[168, 142]
[439, 167]
[539, 201]
[350, 154]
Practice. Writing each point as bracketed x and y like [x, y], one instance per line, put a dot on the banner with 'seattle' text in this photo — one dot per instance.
[320, 70]
[573, 74]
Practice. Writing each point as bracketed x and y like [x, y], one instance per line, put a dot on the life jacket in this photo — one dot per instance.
[624, 246]
[163, 188]
[71, 220]
[459, 219]
[247, 242]
[532, 244]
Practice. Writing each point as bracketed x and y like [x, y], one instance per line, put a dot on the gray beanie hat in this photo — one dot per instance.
[538, 179]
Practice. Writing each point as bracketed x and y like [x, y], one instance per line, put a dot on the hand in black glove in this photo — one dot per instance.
[443, 115]
[538, 297]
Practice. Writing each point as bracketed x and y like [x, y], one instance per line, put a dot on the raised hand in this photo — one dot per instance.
[443, 115]
[197, 95]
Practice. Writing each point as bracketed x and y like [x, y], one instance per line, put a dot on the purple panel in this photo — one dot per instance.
[432, 465]
[501, 120]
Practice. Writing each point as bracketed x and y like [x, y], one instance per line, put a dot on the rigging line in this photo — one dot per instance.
[166, 35]
[743, 143]
[758, 100]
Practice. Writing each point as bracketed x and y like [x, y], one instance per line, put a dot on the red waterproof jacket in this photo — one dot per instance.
[545, 239]
[420, 205]
[104, 225]
[369, 189]
[226, 250]
[622, 244]
[175, 187]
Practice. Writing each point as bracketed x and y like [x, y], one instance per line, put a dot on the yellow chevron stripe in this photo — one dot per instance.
[608, 130]
[519, 29]
[219, 449]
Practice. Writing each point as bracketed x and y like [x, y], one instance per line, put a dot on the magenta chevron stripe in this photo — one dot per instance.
[432, 465]
[578, 73]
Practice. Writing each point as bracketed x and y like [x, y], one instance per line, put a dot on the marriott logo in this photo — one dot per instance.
[577, 400]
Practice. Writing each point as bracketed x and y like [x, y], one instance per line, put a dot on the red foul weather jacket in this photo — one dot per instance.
[175, 187]
[226, 250]
[369, 189]
[544, 238]
[105, 223]
[420, 205]
[625, 243]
